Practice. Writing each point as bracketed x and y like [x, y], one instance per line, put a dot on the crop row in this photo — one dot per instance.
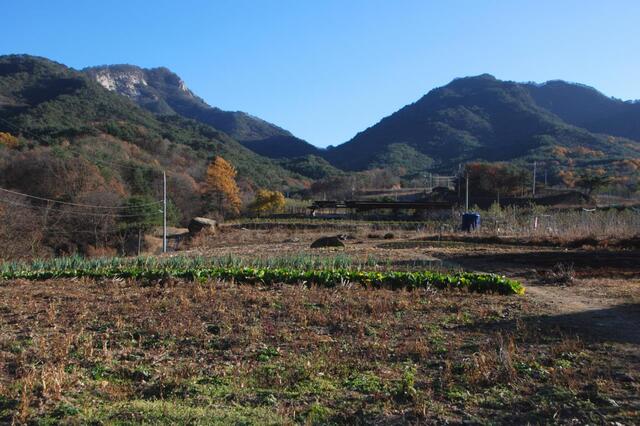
[300, 261]
[331, 277]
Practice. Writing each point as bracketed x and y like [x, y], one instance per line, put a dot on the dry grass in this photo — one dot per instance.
[531, 223]
[174, 352]
[179, 352]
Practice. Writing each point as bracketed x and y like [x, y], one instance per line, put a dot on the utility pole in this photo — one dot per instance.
[459, 179]
[466, 202]
[534, 179]
[164, 211]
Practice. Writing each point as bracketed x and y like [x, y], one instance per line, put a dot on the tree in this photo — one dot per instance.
[8, 140]
[98, 229]
[51, 174]
[142, 214]
[220, 184]
[491, 179]
[267, 202]
[22, 234]
[591, 182]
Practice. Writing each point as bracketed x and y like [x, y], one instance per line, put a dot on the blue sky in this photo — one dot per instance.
[327, 69]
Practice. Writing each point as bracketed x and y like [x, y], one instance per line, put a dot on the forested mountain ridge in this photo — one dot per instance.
[81, 167]
[163, 92]
[50, 107]
[472, 118]
[586, 107]
[477, 118]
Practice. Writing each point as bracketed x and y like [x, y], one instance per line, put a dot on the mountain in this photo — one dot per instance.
[586, 107]
[58, 113]
[479, 118]
[163, 92]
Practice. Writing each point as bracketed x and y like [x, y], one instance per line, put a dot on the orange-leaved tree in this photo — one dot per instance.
[221, 186]
[268, 202]
[8, 140]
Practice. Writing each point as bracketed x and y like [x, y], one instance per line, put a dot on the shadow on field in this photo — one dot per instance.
[587, 262]
[620, 323]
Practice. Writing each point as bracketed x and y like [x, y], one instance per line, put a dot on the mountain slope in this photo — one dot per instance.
[163, 92]
[469, 119]
[584, 106]
[48, 103]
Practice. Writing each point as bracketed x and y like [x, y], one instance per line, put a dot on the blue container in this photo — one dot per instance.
[470, 221]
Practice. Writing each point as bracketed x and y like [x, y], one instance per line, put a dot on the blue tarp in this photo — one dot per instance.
[470, 221]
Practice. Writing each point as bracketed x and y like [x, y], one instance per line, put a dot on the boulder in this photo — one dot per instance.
[327, 242]
[198, 224]
[172, 232]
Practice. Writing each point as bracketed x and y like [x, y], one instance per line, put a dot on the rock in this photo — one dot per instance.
[198, 224]
[327, 242]
[611, 402]
[213, 329]
[172, 232]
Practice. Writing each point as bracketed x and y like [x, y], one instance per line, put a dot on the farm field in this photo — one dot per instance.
[166, 350]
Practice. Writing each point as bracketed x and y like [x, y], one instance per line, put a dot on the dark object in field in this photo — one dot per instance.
[327, 242]
[199, 224]
[213, 329]
[389, 236]
[373, 236]
[470, 222]
[561, 274]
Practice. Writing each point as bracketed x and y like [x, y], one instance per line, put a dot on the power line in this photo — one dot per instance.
[75, 204]
[164, 202]
[31, 206]
[94, 206]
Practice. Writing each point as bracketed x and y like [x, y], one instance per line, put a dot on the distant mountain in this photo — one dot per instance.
[163, 92]
[483, 118]
[584, 106]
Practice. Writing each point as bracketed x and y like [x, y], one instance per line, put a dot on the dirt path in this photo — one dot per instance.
[596, 317]
[602, 304]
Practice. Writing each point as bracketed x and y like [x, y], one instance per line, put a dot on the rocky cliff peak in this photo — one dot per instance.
[124, 79]
[135, 82]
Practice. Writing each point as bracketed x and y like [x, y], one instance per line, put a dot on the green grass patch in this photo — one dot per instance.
[297, 271]
[169, 412]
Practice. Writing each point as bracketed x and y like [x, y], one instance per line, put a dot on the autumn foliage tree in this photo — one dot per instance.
[221, 187]
[489, 179]
[267, 202]
[8, 140]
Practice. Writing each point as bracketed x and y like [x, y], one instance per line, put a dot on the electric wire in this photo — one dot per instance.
[31, 206]
[74, 204]
[93, 206]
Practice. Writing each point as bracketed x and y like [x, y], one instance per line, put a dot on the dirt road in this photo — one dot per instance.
[596, 317]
